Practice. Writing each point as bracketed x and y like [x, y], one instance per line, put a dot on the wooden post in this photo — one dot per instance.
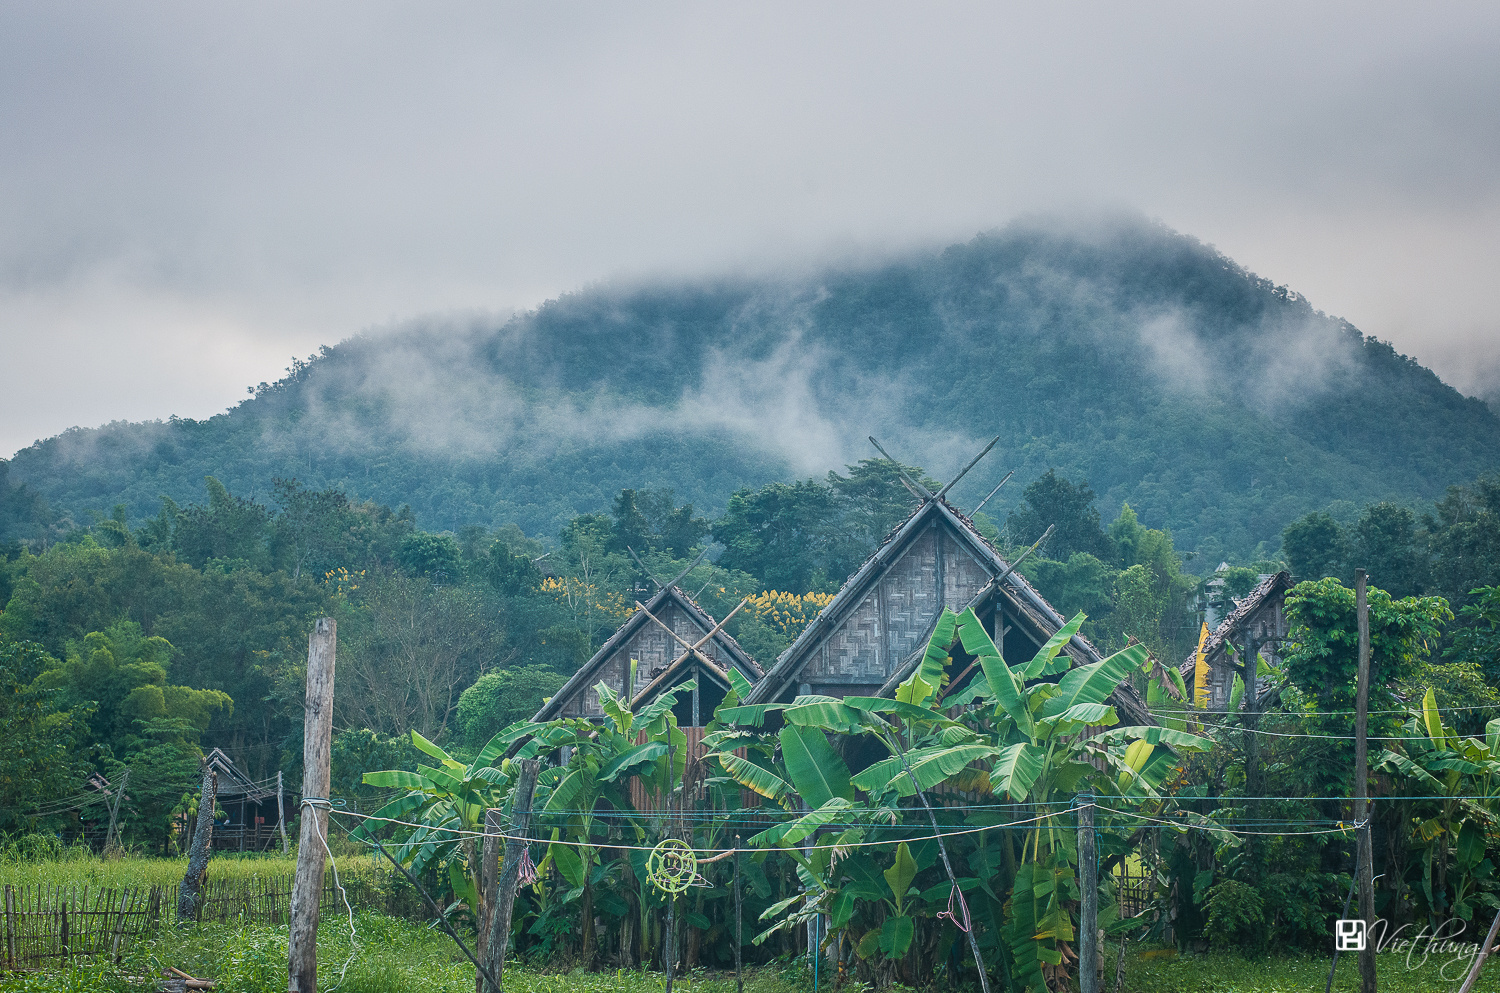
[739, 921]
[489, 881]
[307, 888]
[201, 852]
[114, 945]
[114, 810]
[10, 928]
[1361, 774]
[1088, 888]
[280, 813]
[505, 897]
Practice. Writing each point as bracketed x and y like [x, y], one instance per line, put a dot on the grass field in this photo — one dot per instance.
[397, 956]
[134, 871]
[392, 955]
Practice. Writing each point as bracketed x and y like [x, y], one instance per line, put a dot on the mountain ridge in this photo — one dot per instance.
[1216, 403]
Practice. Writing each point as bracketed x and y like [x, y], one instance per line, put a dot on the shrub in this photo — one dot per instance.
[1236, 918]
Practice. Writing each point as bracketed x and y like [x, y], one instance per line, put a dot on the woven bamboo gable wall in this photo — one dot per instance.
[896, 616]
[644, 640]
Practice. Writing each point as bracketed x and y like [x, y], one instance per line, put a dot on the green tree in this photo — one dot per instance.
[434, 556]
[1384, 543]
[230, 527]
[1315, 546]
[1051, 500]
[123, 675]
[1477, 639]
[501, 698]
[41, 739]
[1322, 655]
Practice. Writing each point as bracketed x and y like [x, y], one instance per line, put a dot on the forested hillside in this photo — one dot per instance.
[1217, 405]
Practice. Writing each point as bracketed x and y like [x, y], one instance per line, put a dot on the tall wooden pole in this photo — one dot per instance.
[280, 812]
[1361, 774]
[203, 848]
[307, 887]
[489, 886]
[740, 935]
[114, 810]
[510, 872]
[1088, 914]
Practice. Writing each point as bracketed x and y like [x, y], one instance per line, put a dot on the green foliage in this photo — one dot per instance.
[40, 737]
[1323, 656]
[1236, 918]
[501, 698]
[810, 535]
[434, 556]
[1477, 638]
[1054, 501]
[122, 676]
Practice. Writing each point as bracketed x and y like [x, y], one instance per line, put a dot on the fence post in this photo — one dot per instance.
[1088, 888]
[114, 945]
[10, 927]
[515, 846]
[280, 813]
[307, 889]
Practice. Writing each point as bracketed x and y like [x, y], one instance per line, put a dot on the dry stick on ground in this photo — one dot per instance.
[510, 875]
[1484, 953]
[307, 889]
[203, 848]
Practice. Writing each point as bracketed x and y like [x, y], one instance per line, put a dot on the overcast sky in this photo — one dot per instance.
[192, 193]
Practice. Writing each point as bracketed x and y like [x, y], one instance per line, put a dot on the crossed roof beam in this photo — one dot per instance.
[922, 493]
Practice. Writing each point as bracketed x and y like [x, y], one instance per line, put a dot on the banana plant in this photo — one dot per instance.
[441, 799]
[1434, 759]
[1016, 732]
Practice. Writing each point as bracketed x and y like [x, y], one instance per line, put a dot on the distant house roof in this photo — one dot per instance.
[1269, 592]
[233, 782]
[723, 651]
[1019, 596]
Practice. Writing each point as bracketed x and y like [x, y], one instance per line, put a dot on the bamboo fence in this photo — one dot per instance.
[44, 923]
[48, 924]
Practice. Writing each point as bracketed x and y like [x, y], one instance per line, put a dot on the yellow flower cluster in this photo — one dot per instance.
[344, 582]
[789, 613]
[574, 593]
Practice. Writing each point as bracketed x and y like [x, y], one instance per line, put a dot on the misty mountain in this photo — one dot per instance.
[1214, 402]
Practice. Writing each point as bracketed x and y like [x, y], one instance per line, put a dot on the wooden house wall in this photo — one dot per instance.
[1268, 625]
[934, 571]
[653, 648]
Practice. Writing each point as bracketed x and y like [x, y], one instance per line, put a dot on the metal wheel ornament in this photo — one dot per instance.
[672, 866]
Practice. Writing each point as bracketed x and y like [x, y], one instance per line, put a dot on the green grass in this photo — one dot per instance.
[390, 956]
[398, 956]
[1165, 972]
[137, 871]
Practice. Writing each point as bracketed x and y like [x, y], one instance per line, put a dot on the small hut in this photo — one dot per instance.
[253, 809]
[1257, 623]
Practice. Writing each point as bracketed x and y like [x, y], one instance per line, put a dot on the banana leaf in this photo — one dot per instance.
[815, 769]
[1094, 683]
[1016, 770]
[754, 777]
[627, 763]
